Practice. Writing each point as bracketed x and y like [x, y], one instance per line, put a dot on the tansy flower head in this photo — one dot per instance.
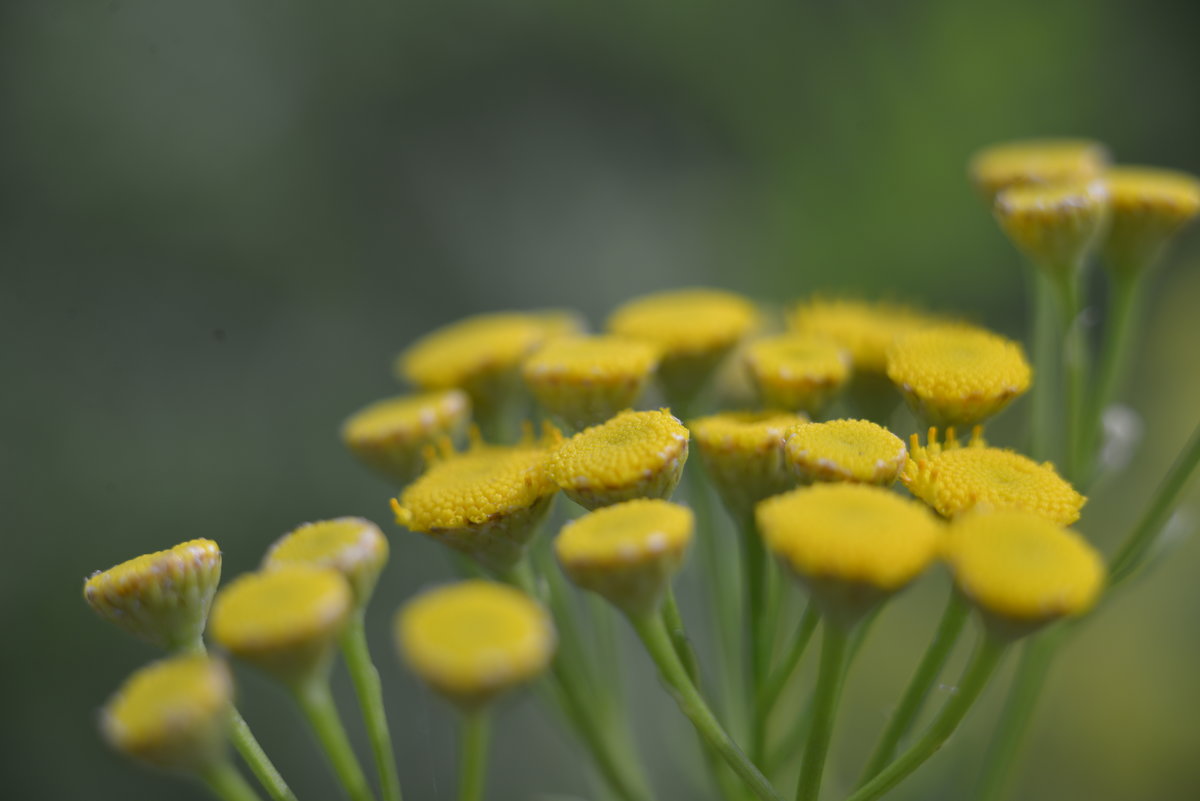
[174, 714]
[852, 544]
[485, 502]
[958, 374]
[863, 329]
[628, 552]
[1021, 570]
[390, 436]
[693, 329]
[557, 323]
[797, 372]
[854, 451]
[743, 454]
[583, 381]
[285, 621]
[1148, 207]
[633, 455]
[1035, 161]
[162, 597]
[473, 640]
[1054, 225]
[954, 478]
[352, 546]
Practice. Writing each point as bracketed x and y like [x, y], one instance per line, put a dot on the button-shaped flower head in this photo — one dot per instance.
[285, 622]
[633, 455]
[485, 502]
[390, 436]
[173, 714]
[797, 372]
[954, 478]
[583, 381]
[693, 329]
[743, 454]
[474, 640]
[1022, 570]
[1035, 161]
[627, 553]
[352, 546]
[863, 329]
[958, 374]
[853, 451]
[1148, 207]
[852, 544]
[162, 597]
[1054, 225]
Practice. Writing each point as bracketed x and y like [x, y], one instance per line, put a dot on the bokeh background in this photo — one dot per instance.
[221, 220]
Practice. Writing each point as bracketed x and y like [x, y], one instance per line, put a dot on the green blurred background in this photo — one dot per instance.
[220, 220]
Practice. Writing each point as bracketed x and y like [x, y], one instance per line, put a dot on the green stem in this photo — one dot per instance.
[227, 784]
[1119, 334]
[317, 703]
[974, 678]
[830, 677]
[757, 593]
[658, 644]
[1075, 365]
[1045, 366]
[919, 687]
[774, 686]
[370, 698]
[473, 754]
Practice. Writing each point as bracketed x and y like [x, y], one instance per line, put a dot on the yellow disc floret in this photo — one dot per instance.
[473, 640]
[390, 436]
[863, 329]
[456, 354]
[1021, 568]
[162, 597]
[1148, 207]
[958, 374]
[627, 552]
[743, 454]
[173, 714]
[954, 479]
[1054, 225]
[855, 451]
[633, 455]
[354, 547]
[797, 372]
[586, 380]
[284, 621]
[1036, 161]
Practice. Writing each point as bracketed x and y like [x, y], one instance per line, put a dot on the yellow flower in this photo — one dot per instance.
[352, 546]
[854, 451]
[586, 380]
[628, 552]
[864, 329]
[1022, 570]
[485, 502]
[633, 455]
[390, 436]
[958, 374]
[1035, 161]
[173, 714]
[1148, 207]
[162, 597]
[852, 544]
[954, 479]
[285, 622]
[1054, 225]
[797, 372]
[693, 329]
[473, 640]
[743, 454]
[557, 323]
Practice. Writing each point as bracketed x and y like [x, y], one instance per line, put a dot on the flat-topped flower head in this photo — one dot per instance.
[583, 381]
[797, 372]
[743, 454]
[557, 323]
[954, 478]
[485, 502]
[1022, 570]
[633, 455]
[862, 328]
[474, 640]
[852, 451]
[958, 374]
[284, 621]
[852, 544]
[1054, 225]
[1035, 161]
[693, 329]
[627, 553]
[1148, 206]
[352, 546]
[173, 714]
[161, 597]
[390, 436]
